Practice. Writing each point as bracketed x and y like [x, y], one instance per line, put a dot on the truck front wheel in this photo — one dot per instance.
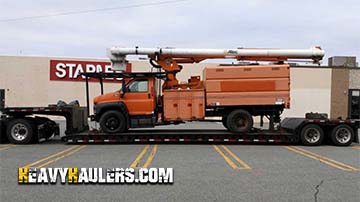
[342, 135]
[113, 122]
[20, 131]
[239, 121]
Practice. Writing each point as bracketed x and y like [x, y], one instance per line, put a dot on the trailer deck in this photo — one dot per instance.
[181, 136]
[77, 129]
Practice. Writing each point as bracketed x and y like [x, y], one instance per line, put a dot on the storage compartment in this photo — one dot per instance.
[184, 104]
[247, 85]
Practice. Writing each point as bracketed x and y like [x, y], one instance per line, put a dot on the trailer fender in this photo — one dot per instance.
[46, 127]
[293, 124]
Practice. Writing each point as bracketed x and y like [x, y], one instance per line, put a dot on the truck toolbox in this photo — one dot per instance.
[184, 104]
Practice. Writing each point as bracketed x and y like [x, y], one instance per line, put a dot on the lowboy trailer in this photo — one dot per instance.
[235, 93]
[20, 125]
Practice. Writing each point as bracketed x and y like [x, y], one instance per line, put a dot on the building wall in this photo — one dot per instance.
[26, 81]
[310, 91]
[339, 92]
[354, 78]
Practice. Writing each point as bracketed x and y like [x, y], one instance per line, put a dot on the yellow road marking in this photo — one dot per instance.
[61, 157]
[6, 147]
[323, 159]
[227, 159]
[244, 165]
[151, 157]
[139, 157]
[51, 156]
[355, 147]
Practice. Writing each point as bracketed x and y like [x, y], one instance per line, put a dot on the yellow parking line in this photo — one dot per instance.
[51, 156]
[227, 159]
[326, 158]
[355, 147]
[244, 165]
[61, 157]
[151, 157]
[139, 157]
[6, 147]
[323, 159]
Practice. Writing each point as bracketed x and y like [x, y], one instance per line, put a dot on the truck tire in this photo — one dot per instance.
[113, 122]
[312, 135]
[239, 121]
[20, 131]
[224, 120]
[342, 135]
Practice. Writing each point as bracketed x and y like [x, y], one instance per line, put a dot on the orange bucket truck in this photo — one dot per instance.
[236, 93]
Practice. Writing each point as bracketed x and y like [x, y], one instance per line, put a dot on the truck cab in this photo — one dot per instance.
[134, 105]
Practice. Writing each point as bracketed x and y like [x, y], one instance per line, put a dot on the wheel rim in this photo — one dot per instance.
[240, 122]
[312, 135]
[19, 132]
[112, 123]
[343, 135]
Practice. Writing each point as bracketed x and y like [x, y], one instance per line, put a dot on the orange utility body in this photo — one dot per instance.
[233, 92]
[228, 86]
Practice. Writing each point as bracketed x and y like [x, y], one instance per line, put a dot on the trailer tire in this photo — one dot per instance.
[312, 135]
[20, 131]
[113, 122]
[239, 121]
[342, 135]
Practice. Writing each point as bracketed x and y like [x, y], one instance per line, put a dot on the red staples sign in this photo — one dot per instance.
[70, 70]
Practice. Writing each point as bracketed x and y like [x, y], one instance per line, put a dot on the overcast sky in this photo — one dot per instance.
[334, 25]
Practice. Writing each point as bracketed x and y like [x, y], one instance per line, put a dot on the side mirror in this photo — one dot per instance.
[125, 89]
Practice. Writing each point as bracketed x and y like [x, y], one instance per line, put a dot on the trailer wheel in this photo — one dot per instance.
[20, 131]
[312, 135]
[113, 122]
[239, 121]
[224, 120]
[342, 135]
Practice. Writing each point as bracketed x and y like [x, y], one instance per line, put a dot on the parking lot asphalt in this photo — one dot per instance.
[202, 172]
